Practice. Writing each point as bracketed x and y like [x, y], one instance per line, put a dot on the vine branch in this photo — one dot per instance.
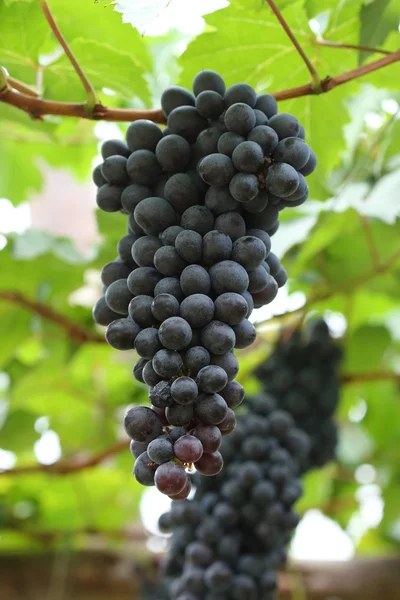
[64, 467]
[37, 107]
[296, 44]
[354, 378]
[90, 93]
[75, 332]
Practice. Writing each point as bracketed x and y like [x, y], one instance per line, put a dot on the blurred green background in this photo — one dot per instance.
[63, 391]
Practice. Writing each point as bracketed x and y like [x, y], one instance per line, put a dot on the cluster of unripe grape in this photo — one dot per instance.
[203, 198]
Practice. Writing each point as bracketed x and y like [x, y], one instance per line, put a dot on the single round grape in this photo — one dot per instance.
[113, 147]
[285, 125]
[210, 463]
[147, 343]
[230, 308]
[142, 424]
[108, 197]
[143, 134]
[140, 310]
[309, 167]
[210, 409]
[273, 263]
[229, 276]
[281, 277]
[208, 80]
[211, 379]
[293, 151]
[143, 167]
[170, 478]
[195, 280]
[143, 250]
[175, 96]
[240, 118]
[138, 369]
[197, 310]
[125, 248]
[97, 176]
[102, 314]
[220, 200]
[173, 153]
[143, 281]
[168, 262]
[265, 137]
[258, 279]
[118, 296]
[114, 170]
[217, 246]
[228, 362]
[216, 169]
[186, 122]
[137, 448]
[184, 390]
[154, 215]
[233, 394]
[160, 450]
[249, 252]
[210, 104]
[175, 333]
[169, 285]
[113, 271]
[189, 245]
[244, 187]
[167, 363]
[198, 553]
[248, 157]
[267, 104]
[188, 449]
[181, 192]
[209, 436]
[179, 414]
[144, 470]
[240, 92]
[245, 334]
[231, 223]
[164, 306]
[195, 359]
[267, 294]
[150, 377]
[218, 337]
[229, 423]
[299, 196]
[197, 218]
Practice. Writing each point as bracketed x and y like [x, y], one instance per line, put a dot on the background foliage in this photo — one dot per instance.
[341, 250]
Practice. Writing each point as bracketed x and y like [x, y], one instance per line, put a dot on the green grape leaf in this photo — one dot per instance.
[378, 18]
[18, 431]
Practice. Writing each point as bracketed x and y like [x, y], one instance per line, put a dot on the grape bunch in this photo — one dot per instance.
[303, 375]
[228, 541]
[202, 199]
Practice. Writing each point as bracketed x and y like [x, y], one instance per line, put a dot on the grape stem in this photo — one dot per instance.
[89, 89]
[37, 107]
[313, 72]
[63, 467]
[77, 333]
[329, 44]
[355, 378]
